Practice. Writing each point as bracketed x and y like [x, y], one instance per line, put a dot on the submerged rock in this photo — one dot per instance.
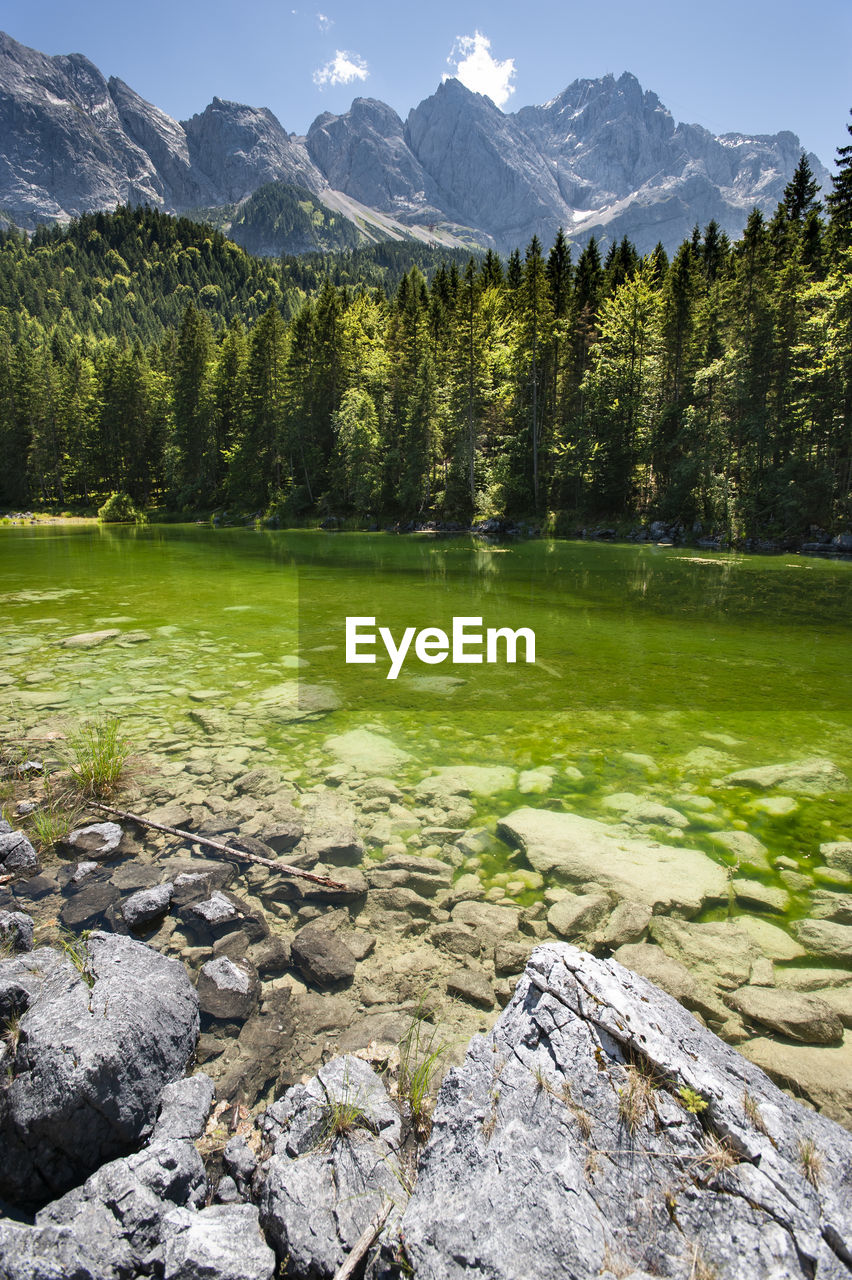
[825, 938]
[322, 957]
[802, 777]
[578, 850]
[466, 780]
[366, 751]
[228, 988]
[568, 1143]
[147, 905]
[90, 639]
[838, 855]
[805, 1018]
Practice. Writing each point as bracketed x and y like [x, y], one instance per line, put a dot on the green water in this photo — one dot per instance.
[705, 663]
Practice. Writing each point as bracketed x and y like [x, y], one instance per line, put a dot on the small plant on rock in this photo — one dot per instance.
[53, 819]
[692, 1101]
[752, 1110]
[810, 1160]
[635, 1097]
[99, 756]
[75, 946]
[12, 1032]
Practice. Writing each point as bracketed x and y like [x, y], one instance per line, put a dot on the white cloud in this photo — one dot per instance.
[479, 71]
[343, 68]
[324, 21]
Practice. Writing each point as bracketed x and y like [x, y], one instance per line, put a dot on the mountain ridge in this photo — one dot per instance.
[604, 157]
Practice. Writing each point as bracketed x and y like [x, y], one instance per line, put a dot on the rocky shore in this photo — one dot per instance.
[598, 1129]
[290, 972]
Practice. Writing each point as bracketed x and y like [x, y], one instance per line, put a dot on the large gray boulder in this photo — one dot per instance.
[599, 1128]
[96, 1046]
[336, 1161]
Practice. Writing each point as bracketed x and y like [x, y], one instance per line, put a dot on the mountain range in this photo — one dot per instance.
[604, 158]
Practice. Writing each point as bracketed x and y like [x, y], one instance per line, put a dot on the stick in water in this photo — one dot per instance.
[220, 847]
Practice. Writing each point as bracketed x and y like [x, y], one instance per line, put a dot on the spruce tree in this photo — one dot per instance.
[839, 199]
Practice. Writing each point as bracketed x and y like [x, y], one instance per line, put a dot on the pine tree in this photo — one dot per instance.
[801, 192]
[839, 200]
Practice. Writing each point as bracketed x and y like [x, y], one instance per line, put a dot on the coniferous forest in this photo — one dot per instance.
[148, 355]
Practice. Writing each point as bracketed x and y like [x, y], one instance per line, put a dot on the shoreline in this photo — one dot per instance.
[493, 529]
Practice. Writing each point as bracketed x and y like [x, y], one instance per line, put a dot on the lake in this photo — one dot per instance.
[658, 670]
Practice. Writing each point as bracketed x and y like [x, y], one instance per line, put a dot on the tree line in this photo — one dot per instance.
[714, 388]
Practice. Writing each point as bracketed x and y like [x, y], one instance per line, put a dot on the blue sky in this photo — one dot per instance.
[748, 65]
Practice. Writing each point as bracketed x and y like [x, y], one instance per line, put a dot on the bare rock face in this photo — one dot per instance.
[599, 1128]
[603, 158]
[486, 172]
[365, 154]
[94, 1050]
[239, 148]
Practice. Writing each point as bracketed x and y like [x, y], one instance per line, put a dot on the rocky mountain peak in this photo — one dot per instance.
[604, 157]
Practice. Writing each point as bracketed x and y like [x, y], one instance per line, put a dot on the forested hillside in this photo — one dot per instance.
[145, 354]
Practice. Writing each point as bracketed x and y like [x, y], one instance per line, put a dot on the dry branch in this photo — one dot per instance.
[220, 847]
[363, 1243]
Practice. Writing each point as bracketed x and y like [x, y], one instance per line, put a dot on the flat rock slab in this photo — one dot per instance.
[807, 1019]
[467, 780]
[838, 855]
[579, 851]
[745, 847]
[539, 1163]
[825, 938]
[803, 777]
[90, 639]
[220, 1240]
[297, 700]
[820, 1073]
[721, 953]
[366, 751]
[472, 986]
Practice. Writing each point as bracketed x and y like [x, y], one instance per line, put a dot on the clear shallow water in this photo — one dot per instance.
[705, 663]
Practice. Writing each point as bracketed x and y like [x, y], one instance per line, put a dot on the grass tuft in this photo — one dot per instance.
[76, 948]
[635, 1097]
[99, 756]
[810, 1160]
[420, 1056]
[53, 819]
[752, 1110]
